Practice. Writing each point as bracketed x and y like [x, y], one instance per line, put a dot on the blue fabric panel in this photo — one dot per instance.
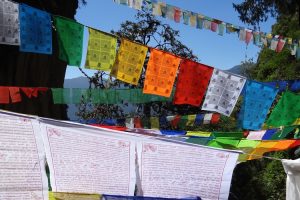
[269, 133]
[199, 119]
[258, 99]
[172, 132]
[35, 30]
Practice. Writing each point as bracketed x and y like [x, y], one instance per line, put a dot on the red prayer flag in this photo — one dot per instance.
[215, 118]
[177, 14]
[175, 121]
[249, 36]
[137, 122]
[214, 26]
[15, 95]
[4, 95]
[192, 83]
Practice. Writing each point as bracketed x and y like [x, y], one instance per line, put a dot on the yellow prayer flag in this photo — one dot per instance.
[297, 122]
[154, 122]
[101, 53]
[191, 120]
[73, 196]
[129, 62]
[198, 133]
[161, 72]
[261, 148]
[193, 20]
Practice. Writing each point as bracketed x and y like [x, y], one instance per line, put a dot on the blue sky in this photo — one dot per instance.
[222, 52]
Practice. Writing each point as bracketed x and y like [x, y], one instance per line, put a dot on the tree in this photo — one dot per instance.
[149, 31]
[255, 11]
[37, 70]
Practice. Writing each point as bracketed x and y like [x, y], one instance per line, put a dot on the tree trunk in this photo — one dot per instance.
[37, 70]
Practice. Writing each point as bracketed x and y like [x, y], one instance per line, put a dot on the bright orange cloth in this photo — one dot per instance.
[161, 73]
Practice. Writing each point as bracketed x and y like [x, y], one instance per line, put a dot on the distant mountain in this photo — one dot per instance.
[236, 70]
[79, 82]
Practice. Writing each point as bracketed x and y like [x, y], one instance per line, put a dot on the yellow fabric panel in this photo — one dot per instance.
[101, 52]
[191, 120]
[154, 122]
[73, 196]
[129, 62]
[247, 146]
[297, 122]
[198, 133]
[161, 72]
[262, 147]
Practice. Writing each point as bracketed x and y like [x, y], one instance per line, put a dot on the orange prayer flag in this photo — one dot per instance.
[261, 148]
[161, 73]
[283, 145]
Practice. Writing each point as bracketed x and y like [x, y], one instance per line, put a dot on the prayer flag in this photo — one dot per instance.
[129, 63]
[249, 36]
[223, 92]
[192, 82]
[177, 14]
[191, 120]
[256, 135]
[186, 17]
[4, 95]
[198, 133]
[221, 28]
[193, 19]
[215, 118]
[286, 111]
[280, 45]
[9, 23]
[258, 99]
[73, 196]
[35, 30]
[61, 95]
[101, 53]
[199, 119]
[207, 118]
[200, 20]
[214, 26]
[161, 72]
[15, 95]
[154, 122]
[170, 12]
[70, 39]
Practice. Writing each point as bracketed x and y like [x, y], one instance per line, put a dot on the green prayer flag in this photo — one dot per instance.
[224, 143]
[182, 122]
[70, 39]
[198, 140]
[236, 135]
[79, 94]
[281, 134]
[286, 111]
[61, 95]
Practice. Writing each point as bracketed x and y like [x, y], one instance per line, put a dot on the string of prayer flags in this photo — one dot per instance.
[190, 89]
[286, 112]
[161, 73]
[136, 4]
[101, 51]
[35, 30]
[70, 40]
[258, 98]
[129, 63]
[73, 196]
[9, 23]
[223, 92]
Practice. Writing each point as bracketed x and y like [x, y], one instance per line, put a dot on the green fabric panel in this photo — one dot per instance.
[281, 134]
[224, 143]
[236, 135]
[248, 144]
[286, 111]
[79, 94]
[182, 122]
[70, 40]
[61, 95]
[198, 140]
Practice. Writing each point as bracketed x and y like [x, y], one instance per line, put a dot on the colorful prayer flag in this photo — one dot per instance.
[192, 82]
[14, 93]
[101, 53]
[35, 30]
[161, 72]
[286, 111]
[4, 95]
[9, 23]
[257, 101]
[223, 92]
[73, 196]
[70, 39]
[129, 63]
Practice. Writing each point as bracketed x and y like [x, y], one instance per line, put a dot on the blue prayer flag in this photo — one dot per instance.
[258, 99]
[35, 30]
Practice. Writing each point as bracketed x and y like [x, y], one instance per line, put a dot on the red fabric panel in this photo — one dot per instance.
[248, 36]
[117, 128]
[137, 123]
[4, 95]
[177, 15]
[215, 118]
[214, 26]
[175, 121]
[192, 83]
[15, 95]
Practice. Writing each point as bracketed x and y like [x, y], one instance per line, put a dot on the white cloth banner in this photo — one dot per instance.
[9, 23]
[256, 135]
[22, 159]
[88, 160]
[223, 92]
[179, 171]
[292, 169]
